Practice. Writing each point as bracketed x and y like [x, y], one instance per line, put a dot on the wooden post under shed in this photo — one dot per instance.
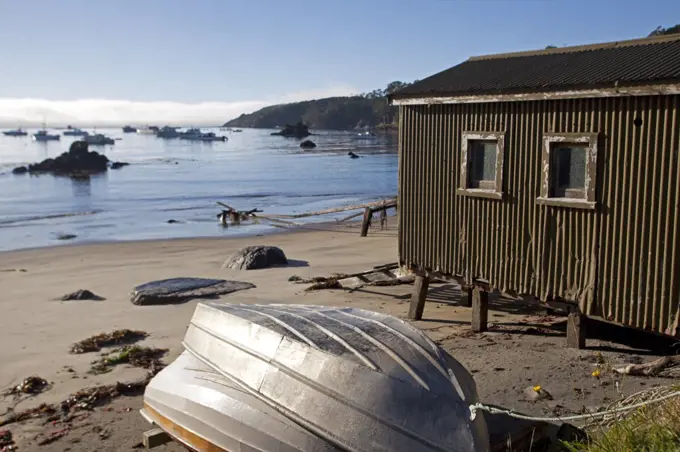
[422, 283]
[480, 310]
[576, 330]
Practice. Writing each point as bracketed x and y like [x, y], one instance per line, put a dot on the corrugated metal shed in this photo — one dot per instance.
[624, 63]
[619, 259]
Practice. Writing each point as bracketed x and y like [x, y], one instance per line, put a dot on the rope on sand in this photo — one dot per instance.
[625, 406]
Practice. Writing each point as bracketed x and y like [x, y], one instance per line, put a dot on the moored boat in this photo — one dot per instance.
[74, 132]
[209, 136]
[129, 129]
[98, 139]
[44, 135]
[359, 380]
[168, 132]
[147, 131]
[15, 133]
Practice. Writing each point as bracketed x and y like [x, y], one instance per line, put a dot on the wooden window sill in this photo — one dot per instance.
[480, 193]
[567, 202]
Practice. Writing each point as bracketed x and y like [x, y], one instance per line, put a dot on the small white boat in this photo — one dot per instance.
[74, 132]
[354, 380]
[147, 131]
[15, 133]
[44, 135]
[98, 139]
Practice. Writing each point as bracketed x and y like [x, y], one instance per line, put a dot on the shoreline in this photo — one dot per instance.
[327, 226]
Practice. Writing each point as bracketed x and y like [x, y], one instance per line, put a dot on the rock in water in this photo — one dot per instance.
[78, 160]
[308, 144]
[256, 257]
[20, 170]
[118, 165]
[178, 290]
[66, 236]
[82, 294]
[298, 130]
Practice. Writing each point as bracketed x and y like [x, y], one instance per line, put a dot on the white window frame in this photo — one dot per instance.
[464, 187]
[549, 141]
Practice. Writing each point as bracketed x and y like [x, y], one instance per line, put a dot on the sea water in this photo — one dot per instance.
[173, 179]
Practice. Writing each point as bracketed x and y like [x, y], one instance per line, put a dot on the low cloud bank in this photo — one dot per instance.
[108, 112]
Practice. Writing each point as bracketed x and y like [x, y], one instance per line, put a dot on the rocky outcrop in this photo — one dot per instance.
[78, 161]
[308, 144]
[298, 130]
[178, 290]
[256, 257]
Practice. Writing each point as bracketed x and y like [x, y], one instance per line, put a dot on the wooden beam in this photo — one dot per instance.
[368, 214]
[418, 297]
[480, 310]
[154, 438]
[576, 330]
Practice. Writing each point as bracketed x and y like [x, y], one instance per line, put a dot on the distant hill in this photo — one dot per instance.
[332, 113]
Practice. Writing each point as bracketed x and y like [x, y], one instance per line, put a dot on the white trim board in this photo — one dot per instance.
[648, 90]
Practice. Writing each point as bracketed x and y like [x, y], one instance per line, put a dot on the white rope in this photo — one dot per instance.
[481, 407]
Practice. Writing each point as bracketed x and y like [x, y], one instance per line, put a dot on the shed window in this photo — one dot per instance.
[569, 170]
[482, 161]
[482, 164]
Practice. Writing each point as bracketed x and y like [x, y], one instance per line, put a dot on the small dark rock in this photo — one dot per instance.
[172, 221]
[178, 290]
[352, 155]
[118, 165]
[20, 170]
[256, 257]
[82, 294]
[66, 236]
[308, 144]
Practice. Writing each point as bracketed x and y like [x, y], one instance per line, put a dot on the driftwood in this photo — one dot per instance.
[337, 209]
[651, 368]
[235, 216]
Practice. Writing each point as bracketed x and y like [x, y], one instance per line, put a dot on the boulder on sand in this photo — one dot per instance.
[82, 294]
[308, 144]
[256, 257]
[178, 290]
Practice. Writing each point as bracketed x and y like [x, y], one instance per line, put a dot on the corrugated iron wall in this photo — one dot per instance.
[619, 261]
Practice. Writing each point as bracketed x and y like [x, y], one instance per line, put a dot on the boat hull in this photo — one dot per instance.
[208, 412]
[363, 381]
[46, 138]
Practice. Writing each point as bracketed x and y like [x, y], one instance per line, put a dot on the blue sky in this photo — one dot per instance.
[252, 52]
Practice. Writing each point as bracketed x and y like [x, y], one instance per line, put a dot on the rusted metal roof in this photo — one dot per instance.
[624, 63]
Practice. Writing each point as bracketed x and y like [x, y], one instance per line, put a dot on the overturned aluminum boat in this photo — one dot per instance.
[311, 378]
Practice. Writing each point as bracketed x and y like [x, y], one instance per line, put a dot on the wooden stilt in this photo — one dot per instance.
[466, 297]
[480, 309]
[576, 330]
[368, 214]
[418, 297]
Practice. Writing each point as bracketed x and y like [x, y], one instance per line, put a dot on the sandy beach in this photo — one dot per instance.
[523, 346]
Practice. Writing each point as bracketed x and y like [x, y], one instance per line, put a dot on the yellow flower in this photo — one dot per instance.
[537, 388]
[596, 373]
